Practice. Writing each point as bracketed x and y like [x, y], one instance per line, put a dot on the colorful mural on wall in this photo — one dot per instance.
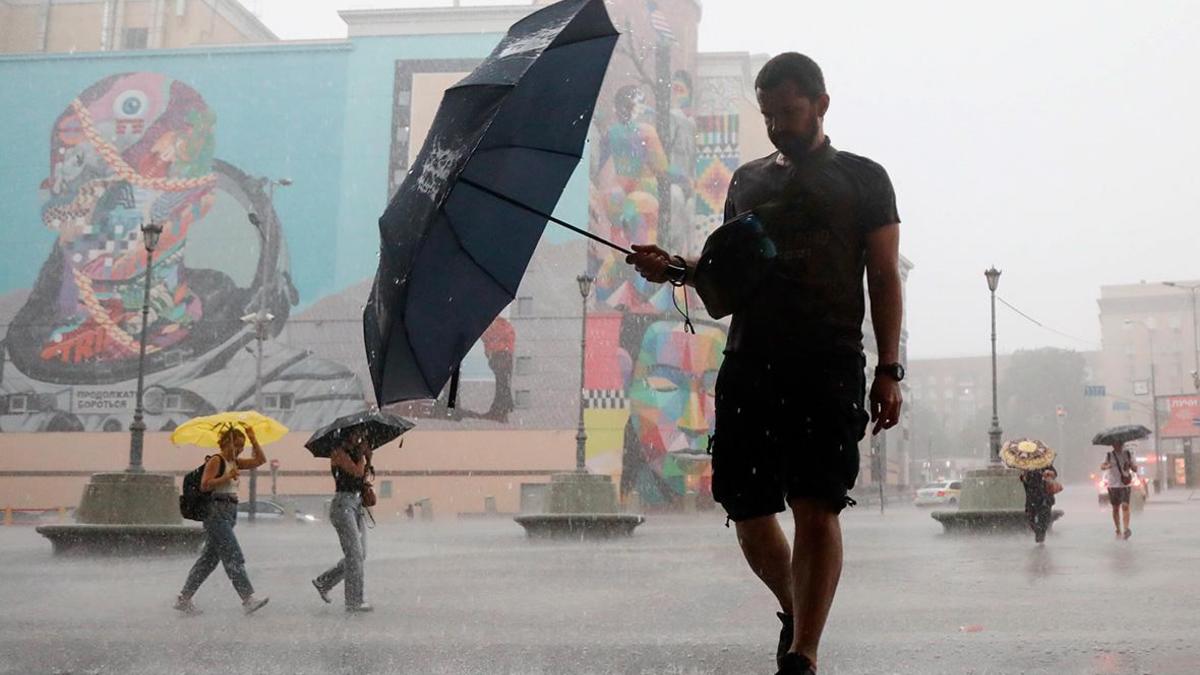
[650, 382]
[141, 147]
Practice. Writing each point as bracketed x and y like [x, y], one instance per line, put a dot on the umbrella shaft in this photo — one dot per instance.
[503, 197]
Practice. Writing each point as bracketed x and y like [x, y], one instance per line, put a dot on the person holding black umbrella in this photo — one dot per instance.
[350, 464]
[350, 442]
[1120, 467]
[790, 394]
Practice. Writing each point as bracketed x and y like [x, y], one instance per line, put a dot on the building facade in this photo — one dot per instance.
[1149, 337]
[75, 26]
[200, 139]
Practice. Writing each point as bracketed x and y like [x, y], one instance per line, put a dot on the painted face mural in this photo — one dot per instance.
[131, 149]
[671, 396]
[137, 148]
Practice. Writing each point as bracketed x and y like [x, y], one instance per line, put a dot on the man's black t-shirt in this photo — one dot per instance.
[818, 212]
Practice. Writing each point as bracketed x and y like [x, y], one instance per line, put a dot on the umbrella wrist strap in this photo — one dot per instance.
[685, 311]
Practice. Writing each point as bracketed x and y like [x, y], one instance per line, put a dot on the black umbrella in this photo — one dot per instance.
[1121, 434]
[377, 427]
[459, 233]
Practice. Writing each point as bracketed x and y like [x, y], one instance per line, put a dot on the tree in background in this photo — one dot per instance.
[1042, 389]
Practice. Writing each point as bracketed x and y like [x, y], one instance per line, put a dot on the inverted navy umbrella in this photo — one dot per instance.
[459, 233]
[377, 427]
[1121, 434]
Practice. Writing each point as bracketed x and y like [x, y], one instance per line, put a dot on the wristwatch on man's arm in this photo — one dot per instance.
[892, 370]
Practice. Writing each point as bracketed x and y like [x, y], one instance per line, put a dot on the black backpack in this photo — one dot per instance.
[193, 502]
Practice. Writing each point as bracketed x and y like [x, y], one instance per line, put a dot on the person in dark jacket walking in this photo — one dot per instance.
[1040, 487]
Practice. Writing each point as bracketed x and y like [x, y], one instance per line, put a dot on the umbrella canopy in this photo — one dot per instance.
[206, 431]
[1121, 434]
[1026, 454]
[459, 233]
[376, 426]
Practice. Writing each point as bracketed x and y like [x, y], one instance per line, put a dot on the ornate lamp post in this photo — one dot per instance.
[993, 280]
[261, 318]
[585, 289]
[150, 234]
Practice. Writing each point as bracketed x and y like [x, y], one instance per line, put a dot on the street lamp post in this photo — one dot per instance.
[585, 289]
[993, 281]
[1160, 470]
[137, 430]
[261, 318]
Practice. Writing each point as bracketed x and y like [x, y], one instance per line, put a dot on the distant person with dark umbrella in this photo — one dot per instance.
[350, 442]
[350, 465]
[1119, 467]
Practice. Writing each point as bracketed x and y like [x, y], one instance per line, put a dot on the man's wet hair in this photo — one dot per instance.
[795, 68]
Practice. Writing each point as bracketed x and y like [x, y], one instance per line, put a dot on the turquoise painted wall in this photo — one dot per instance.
[319, 114]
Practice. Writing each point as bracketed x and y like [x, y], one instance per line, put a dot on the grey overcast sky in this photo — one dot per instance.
[1055, 140]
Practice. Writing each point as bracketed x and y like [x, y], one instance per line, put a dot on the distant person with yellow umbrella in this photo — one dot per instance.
[228, 432]
[1036, 462]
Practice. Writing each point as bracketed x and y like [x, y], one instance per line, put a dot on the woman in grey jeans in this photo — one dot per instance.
[220, 479]
[350, 465]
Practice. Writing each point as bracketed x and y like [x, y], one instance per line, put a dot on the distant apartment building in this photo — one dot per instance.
[1149, 337]
[118, 25]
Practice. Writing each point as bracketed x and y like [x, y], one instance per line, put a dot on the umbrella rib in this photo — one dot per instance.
[505, 198]
[514, 146]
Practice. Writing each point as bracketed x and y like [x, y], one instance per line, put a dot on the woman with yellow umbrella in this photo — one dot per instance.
[228, 432]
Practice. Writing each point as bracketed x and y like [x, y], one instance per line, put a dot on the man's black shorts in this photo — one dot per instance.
[787, 430]
[1118, 495]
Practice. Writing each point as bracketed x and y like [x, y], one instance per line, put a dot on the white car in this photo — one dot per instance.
[272, 512]
[944, 493]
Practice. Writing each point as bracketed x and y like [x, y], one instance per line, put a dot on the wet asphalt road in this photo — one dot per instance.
[467, 597]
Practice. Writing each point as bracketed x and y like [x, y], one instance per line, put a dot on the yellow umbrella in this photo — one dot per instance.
[206, 431]
[1027, 454]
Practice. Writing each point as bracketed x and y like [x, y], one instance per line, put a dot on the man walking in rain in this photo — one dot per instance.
[789, 410]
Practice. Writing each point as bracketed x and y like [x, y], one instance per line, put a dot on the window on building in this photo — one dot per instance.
[524, 365]
[521, 398]
[18, 404]
[525, 305]
[135, 38]
[282, 401]
[385, 489]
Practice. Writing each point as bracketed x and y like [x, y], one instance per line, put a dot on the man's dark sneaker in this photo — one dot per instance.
[1039, 537]
[1128, 533]
[322, 591]
[785, 637]
[796, 664]
[358, 609]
